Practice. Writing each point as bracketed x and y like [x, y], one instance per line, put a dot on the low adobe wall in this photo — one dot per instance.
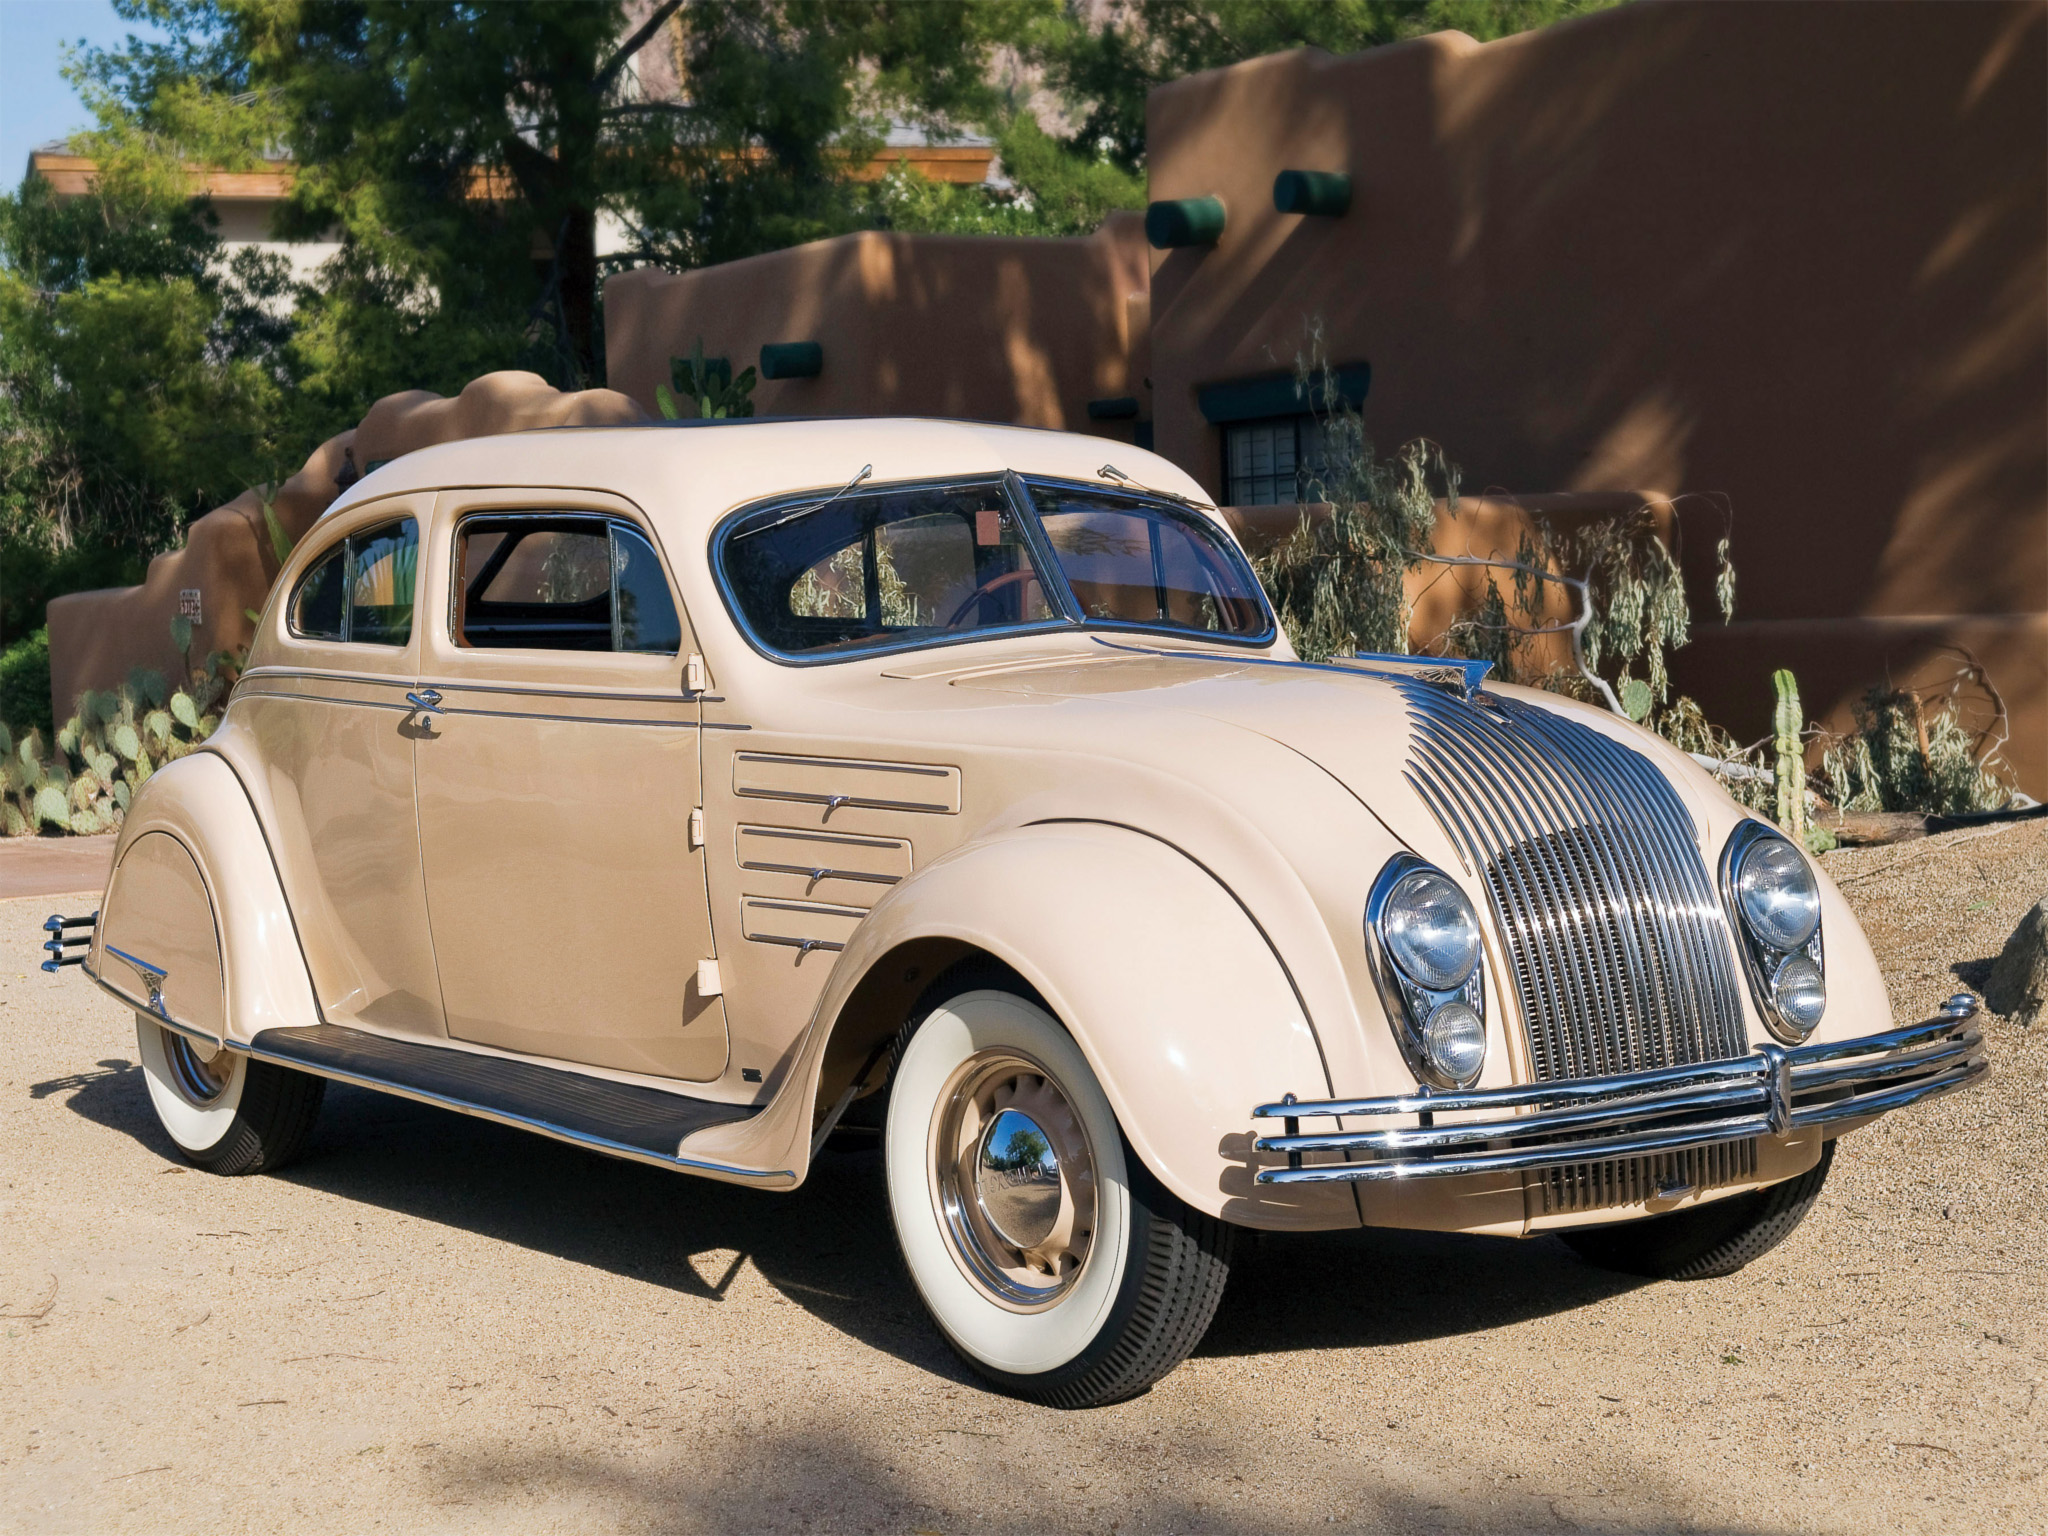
[989, 328]
[97, 638]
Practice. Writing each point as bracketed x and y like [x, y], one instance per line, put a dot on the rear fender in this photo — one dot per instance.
[194, 927]
[1174, 995]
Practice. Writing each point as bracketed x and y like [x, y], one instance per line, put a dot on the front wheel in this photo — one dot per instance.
[1710, 1241]
[229, 1114]
[1055, 1263]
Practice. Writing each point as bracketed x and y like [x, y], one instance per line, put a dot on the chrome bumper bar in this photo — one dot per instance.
[1551, 1125]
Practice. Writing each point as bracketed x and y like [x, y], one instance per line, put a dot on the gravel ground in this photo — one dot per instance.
[436, 1324]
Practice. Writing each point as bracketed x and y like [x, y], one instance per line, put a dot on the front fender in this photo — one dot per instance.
[194, 892]
[1173, 993]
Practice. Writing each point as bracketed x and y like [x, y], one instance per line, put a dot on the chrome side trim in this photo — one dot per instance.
[782, 1178]
[214, 1043]
[1775, 1092]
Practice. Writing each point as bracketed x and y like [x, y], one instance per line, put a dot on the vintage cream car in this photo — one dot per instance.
[666, 790]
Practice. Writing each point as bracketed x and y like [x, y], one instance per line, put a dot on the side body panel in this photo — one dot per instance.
[1173, 994]
[199, 808]
[321, 733]
[555, 790]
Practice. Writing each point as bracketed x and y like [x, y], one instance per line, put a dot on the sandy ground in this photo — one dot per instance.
[434, 1324]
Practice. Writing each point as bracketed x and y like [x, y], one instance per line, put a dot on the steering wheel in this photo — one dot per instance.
[993, 585]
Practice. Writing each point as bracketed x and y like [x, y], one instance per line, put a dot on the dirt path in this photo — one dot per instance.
[433, 1324]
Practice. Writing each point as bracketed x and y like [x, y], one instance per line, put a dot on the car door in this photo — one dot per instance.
[556, 789]
[324, 735]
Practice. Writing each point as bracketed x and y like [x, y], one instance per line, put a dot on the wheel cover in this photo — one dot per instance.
[198, 1082]
[1013, 1180]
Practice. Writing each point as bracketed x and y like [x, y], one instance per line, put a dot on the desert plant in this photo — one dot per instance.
[1789, 770]
[107, 751]
[25, 681]
[711, 385]
[1907, 754]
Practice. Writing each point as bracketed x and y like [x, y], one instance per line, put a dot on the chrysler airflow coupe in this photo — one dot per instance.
[679, 792]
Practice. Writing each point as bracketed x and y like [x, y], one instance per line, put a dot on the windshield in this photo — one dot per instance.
[928, 564]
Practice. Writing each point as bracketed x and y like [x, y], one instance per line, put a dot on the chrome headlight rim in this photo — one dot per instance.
[1761, 962]
[1782, 925]
[1410, 1005]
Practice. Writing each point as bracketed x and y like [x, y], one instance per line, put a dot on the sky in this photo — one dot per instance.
[36, 103]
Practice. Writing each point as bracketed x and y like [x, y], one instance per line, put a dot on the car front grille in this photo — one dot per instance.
[1613, 936]
[1632, 1180]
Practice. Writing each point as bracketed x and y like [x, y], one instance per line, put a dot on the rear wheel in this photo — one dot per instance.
[1056, 1265]
[1710, 1241]
[228, 1114]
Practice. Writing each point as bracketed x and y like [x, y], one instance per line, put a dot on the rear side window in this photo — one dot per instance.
[361, 591]
[542, 582]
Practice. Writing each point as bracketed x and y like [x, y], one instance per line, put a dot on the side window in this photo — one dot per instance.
[362, 590]
[561, 583]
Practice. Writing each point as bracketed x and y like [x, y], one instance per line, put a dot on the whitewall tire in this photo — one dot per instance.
[1055, 1264]
[229, 1114]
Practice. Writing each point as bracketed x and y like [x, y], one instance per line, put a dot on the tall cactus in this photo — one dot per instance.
[1788, 721]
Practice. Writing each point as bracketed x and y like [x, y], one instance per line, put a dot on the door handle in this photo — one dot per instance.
[427, 701]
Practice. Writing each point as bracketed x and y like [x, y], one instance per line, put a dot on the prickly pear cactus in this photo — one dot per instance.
[108, 750]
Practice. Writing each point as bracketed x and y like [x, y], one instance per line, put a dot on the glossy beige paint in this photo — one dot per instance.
[158, 912]
[1172, 840]
[567, 906]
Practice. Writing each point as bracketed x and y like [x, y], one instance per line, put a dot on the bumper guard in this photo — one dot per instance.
[1550, 1125]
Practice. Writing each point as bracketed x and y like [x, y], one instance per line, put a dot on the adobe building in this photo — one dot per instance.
[1785, 263]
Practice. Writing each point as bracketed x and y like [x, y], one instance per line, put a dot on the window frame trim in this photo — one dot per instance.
[611, 522]
[345, 545]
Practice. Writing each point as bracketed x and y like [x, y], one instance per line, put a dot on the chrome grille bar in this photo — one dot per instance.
[1615, 943]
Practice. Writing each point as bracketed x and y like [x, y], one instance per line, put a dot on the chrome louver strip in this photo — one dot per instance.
[1615, 942]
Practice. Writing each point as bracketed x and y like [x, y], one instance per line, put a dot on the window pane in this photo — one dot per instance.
[646, 610]
[1132, 562]
[385, 562]
[534, 583]
[882, 568]
[1263, 462]
[316, 611]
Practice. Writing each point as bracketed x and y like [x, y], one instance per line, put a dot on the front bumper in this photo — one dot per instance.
[1553, 1125]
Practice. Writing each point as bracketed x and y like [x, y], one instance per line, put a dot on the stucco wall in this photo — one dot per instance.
[96, 638]
[984, 327]
[1792, 254]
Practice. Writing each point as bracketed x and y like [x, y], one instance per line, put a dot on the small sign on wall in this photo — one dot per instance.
[189, 605]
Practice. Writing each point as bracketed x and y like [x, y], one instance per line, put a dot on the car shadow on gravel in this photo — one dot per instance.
[827, 1246]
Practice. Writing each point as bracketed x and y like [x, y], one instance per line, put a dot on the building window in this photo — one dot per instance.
[1271, 462]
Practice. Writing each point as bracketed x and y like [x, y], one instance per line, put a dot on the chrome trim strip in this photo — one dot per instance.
[158, 1015]
[1774, 1092]
[783, 1178]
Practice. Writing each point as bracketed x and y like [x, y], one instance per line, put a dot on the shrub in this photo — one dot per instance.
[25, 683]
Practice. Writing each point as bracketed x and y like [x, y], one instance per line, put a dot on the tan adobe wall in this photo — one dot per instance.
[1793, 254]
[988, 328]
[97, 637]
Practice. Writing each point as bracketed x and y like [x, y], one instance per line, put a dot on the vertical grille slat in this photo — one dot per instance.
[1614, 939]
[1632, 1180]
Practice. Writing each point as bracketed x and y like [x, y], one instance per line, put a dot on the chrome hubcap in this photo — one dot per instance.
[199, 1081]
[1014, 1181]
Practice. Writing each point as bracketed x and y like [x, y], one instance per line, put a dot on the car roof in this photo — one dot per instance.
[686, 480]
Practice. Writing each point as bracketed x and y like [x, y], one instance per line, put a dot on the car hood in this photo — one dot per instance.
[1354, 722]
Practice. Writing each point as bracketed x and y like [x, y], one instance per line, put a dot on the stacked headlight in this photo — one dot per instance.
[1776, 902]
[1425, 942]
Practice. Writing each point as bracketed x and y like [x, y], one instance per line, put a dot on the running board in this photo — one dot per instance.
[620, 1119]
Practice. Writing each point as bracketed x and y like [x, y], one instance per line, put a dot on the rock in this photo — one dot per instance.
[2019, 978]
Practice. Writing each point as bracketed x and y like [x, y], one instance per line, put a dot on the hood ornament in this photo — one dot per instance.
[1455, 676]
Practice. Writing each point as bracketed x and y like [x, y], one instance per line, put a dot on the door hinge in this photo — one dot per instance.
[697, 827]
[695, 678]
[708, 984]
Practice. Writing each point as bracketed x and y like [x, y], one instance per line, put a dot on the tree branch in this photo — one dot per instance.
[632, 45]
[1581, 587]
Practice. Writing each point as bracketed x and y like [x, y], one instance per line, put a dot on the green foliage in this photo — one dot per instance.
[1905, 756]
[25, 682]
[84, 780]
[1052, 188]
[710, 386]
